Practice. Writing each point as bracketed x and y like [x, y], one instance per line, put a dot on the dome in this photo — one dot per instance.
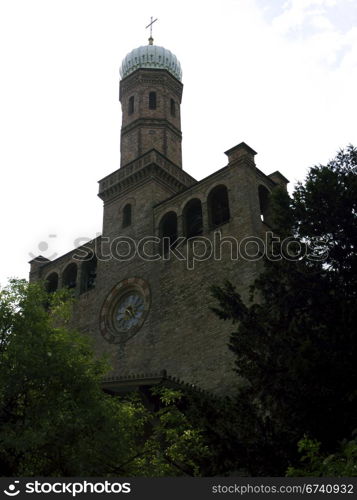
[153, 57]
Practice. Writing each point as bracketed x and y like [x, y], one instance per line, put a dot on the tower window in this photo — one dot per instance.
[218, 206]
[173, 108]
[127, 215]
[131, 105]
[193, 221]
[152, 100]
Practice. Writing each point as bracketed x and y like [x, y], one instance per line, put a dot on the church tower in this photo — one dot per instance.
[143, 287]
[151, 159]
[150, 96]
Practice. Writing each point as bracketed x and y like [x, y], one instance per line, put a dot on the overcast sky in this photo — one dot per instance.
[280, 75]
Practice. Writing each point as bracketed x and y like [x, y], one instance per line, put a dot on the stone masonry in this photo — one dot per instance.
[169, 326]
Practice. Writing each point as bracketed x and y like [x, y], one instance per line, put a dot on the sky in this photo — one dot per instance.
[280, 75]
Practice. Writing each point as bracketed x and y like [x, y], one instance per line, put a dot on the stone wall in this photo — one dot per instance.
[180, 334]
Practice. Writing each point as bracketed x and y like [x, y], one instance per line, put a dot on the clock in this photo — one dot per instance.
[129, 310]
[124, 310]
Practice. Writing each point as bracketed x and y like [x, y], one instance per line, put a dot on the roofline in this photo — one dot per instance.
[241, 145]
[39, 258]
[278, 173]
[150, 69]
[191, 187]
[260, 172]
[70, 251]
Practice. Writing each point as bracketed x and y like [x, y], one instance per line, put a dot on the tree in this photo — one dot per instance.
[54, 417]
[176, 445]
[325, 207]
[342, 463]
[296, 345]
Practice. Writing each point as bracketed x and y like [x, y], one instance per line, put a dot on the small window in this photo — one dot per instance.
[127, 215]
[152, 100]
[131, 105]
[51, 283]
[264, 203]
[89, 273]
[173, 108]
[69, 278]
[168, 231]
[193, 220]
[218, 206]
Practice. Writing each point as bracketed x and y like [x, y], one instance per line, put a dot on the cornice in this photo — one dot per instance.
[123, 382]
[153, 123]
[143, 77]
[150, 165]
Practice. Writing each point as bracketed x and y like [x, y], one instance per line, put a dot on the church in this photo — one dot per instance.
[142, 288]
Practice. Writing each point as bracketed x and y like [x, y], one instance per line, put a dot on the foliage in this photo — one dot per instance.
[325, 207]
[175, 447]
[55, 420]
[313, 463]
[296, 346]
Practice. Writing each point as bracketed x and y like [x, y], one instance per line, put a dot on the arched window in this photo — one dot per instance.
[168, 231]
[173, 108]
[127, 215]
[192, 215]
[152, 100]
[51, 284]
[69, 278]
[131, 105]
[264, 203]
[218, 206]
[89, 274]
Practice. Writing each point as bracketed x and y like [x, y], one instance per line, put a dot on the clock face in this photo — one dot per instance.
[129, 311]
[124, 310]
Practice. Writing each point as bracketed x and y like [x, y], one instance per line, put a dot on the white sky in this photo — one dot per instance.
[279, 75]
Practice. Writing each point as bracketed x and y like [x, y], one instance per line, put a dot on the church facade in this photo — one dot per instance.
[143, 287]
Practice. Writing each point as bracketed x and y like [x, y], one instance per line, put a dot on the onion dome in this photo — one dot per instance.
[152, 57]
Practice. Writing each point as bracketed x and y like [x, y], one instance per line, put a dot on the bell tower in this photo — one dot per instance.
[150, 95]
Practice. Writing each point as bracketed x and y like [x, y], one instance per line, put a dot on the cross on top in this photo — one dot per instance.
[151, 40]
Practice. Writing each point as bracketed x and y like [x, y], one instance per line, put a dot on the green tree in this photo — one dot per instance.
[342, 463]
[324, 207]
[54, 417]
[177, 444]
[296, 345]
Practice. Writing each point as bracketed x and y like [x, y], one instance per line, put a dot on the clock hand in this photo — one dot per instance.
[129, 311]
